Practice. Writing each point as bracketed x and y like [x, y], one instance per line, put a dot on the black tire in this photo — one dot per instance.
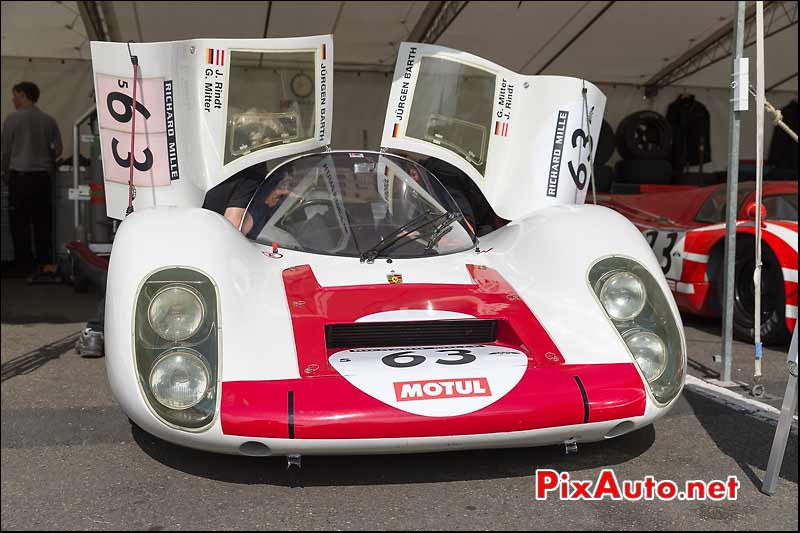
[640, 171]
[773, 295]
[603, 178]
[644, 135]
[605, 145]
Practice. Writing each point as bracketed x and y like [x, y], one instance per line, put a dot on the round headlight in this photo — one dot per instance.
[623, 295]
[180, 379]
[649, 351]
[176, 312]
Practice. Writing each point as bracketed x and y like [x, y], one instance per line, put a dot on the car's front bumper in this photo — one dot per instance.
[323, 416]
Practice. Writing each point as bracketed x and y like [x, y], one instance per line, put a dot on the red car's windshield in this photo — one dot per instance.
[779, 206]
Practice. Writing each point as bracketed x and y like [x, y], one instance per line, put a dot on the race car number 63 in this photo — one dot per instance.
[409, 358]
[123, 118]
[579, 176]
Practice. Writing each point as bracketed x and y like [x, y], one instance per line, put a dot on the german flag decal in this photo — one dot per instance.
[324, 51]
[396, 130]
[215, 56]
[501, 128]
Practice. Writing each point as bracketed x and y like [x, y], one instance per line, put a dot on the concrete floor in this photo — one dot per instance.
[70, 460]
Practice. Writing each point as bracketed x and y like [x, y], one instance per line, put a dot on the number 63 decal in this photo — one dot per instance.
[116, 112]
[123, 118]
[392, 360]
[580, 175]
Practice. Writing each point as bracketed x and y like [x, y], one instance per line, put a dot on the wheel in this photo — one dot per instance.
[658, 172]
[644, 135]
[773, 297]
[605, 145]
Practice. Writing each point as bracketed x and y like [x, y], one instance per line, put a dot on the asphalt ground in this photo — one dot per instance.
[71, 460]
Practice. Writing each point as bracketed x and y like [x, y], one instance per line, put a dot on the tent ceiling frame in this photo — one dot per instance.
[778, 16]
[266, 30]
[110, 18]
[434, 21]
[93, 20]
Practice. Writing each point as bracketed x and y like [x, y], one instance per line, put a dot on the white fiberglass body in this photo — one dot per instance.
[515, 339]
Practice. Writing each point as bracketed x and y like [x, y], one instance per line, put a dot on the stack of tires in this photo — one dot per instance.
[644, 140]
[603, 173]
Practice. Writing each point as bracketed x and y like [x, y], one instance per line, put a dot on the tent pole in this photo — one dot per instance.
[732, 204]
[759, 184]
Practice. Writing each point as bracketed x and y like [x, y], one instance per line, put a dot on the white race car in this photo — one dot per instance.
[355, 310]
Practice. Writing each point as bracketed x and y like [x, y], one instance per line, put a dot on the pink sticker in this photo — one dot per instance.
[151, 161]
[115, 112]
[116, 101]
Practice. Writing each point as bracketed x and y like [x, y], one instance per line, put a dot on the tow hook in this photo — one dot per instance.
[293, 460]
[570, 447]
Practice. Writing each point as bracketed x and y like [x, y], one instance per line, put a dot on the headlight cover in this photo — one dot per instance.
[649, 351]
[176, 312]
[652, 335]
[177, 347]
[623, 295]
[180, 379]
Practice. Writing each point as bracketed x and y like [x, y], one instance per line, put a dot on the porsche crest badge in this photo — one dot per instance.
[394, 278]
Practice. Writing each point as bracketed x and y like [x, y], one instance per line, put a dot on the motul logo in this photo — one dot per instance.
[441, 389]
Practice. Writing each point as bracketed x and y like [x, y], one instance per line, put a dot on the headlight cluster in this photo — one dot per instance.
[640, 311]
[176, 346]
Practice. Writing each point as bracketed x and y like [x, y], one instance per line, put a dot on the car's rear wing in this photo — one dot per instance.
[526, 141]
[206, 109]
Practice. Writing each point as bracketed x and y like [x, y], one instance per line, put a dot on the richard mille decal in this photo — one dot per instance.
[555, 159]
[172, 143]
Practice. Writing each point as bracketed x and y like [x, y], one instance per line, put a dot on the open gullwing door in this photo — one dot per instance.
[206, 109]
[526, 141]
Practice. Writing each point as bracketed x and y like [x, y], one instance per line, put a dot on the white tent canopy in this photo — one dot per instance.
[618, 45]
[628, 43]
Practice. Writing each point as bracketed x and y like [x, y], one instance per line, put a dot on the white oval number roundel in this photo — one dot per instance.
[433, 381]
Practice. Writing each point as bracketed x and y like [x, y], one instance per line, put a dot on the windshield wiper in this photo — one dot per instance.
[403, 231]
[442, 229]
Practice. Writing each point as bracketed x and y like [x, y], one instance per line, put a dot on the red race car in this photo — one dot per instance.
[686, 228]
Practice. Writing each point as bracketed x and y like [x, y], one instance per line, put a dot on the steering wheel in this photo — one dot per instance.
[304, 204]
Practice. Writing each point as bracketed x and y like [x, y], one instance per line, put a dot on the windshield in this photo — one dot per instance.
[351, 204]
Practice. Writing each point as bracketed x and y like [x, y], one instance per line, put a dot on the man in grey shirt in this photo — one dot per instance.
[31, 143]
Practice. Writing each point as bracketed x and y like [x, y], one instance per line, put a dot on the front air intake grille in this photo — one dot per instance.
[416, 333]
